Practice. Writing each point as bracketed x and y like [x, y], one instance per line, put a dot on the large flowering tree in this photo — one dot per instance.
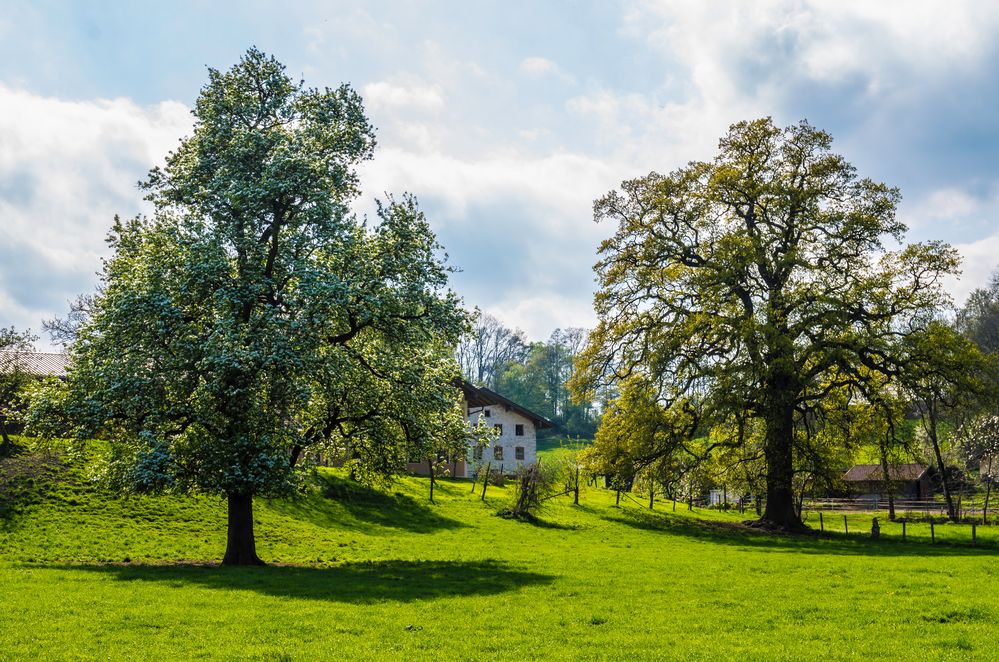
[253, 316]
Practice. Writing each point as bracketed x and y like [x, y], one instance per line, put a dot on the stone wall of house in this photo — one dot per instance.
[508, 440]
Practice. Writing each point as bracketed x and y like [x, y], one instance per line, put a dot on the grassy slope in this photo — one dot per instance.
[385, 575]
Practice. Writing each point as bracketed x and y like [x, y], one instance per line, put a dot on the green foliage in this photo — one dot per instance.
[14, 378]
[978, 443]
[978, 319]
[754, 284]
[638, 438]
[254, 317]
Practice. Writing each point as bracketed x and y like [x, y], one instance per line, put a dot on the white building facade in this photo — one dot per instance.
[517, 441]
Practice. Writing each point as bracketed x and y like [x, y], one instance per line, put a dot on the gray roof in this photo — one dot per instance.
[42, 364]
[480, 396]
[865, 472]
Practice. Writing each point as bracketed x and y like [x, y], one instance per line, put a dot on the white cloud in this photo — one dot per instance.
[559, 186]
[822, 40]
[980, 259]
[520, 228]
[541, 67]
[540, 314]
[403, 96]
[66, 168]
[951, 206]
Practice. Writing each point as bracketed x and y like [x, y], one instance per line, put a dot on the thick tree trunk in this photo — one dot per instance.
[296, 452]
[241, 548]
[6, 445]
[889, 492]
[780, 512]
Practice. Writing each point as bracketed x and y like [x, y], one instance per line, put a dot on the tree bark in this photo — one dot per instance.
[780, 512]
[575, 489]
[6, 445]
[988, 492]
[889, 492]
[931, 431]
[241, 547]
[430, 464]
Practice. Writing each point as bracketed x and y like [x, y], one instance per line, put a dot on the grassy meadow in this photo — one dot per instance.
[383, 574]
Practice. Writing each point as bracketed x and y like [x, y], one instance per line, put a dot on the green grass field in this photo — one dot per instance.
[382, 574]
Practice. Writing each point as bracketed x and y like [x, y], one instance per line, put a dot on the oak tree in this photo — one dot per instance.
[755, 283]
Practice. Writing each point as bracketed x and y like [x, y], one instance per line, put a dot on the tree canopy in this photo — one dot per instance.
[14, 375]
[253, 316]
[751, 286]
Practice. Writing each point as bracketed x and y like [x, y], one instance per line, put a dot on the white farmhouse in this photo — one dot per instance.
[517, 443]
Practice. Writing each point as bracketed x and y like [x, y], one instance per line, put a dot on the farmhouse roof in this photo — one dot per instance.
[42, 364]
[871, 472]
[480, 396]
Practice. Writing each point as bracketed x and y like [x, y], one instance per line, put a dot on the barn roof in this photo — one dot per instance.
[42, 364]
[480, 396]
[871, 472]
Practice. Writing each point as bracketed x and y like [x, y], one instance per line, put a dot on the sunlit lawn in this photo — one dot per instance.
[385, 575]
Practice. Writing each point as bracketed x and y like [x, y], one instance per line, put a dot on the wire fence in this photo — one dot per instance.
[965, 507]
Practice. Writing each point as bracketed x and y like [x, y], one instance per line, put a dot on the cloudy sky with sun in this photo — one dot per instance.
[506, 119]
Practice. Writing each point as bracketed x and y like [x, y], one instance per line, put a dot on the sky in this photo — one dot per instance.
[505, 119]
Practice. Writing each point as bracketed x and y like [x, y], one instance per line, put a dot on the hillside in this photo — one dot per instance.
[385, 575]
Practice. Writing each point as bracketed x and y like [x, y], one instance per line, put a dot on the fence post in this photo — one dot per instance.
[846, 525]
[974, 534]
[822, 525]
[903, 530]
[933, 535]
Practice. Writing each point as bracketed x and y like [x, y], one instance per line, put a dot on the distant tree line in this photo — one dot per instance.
[532, 374]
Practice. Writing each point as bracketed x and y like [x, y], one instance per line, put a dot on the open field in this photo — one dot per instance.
[382, 574]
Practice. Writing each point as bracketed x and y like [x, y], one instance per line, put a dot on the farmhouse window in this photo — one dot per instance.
[519, 452]
[499, 428]
[485, 412]
[519, 430]
[497, 452]
[477, 453]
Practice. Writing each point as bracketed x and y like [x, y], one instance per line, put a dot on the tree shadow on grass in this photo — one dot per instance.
[26, 479]
[733, 533]
[534, 520]
[357, 583]
[343, 503]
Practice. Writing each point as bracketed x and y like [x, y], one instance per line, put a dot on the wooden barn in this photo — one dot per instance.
[908, 481]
